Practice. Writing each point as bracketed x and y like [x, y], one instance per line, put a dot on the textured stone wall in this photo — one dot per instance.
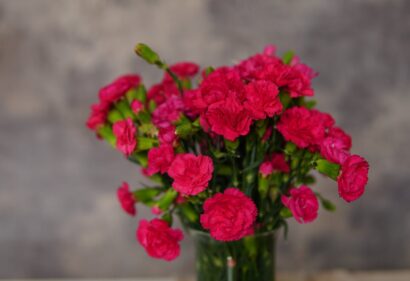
[58, 212]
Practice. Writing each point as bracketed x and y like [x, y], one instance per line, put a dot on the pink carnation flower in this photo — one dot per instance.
[117, 89]
[303, 68]
[335, 147]
[162, 91]
[332, 150]
[353, 178]
[193, 103]
[229, 216]
[191, 173]
[136, 106]
[167, 112]
[159, 240]
[98, 115]
[126, 199]
[156, 210]
[296, 78]
[167, 135]
[159, 159]
[266, 168]
[262, 99]
[220, 84]
[184, 70]
[227, 118]
[125, 132]
[302, 126]
[339, 134]
[303, 204]
[276, 162]
[255, 66]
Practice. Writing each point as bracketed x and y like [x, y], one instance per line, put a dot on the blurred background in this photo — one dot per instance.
[58, 211]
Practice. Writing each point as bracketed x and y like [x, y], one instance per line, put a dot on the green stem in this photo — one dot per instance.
[175, 78]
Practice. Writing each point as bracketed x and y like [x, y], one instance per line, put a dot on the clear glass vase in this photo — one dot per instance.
[249, 259]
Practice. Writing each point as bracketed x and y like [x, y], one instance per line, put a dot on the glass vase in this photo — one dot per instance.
[251, 258]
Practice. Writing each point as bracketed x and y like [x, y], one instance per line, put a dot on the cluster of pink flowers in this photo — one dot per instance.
[223, 144]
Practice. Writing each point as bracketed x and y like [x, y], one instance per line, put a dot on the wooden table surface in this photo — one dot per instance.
[337, 275]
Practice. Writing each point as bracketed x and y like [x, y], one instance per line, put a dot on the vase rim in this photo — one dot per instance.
[207, 234]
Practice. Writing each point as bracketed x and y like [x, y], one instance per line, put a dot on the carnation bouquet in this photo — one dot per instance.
[230, 151]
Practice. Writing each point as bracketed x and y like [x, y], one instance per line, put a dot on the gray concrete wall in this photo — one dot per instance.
[58, 212]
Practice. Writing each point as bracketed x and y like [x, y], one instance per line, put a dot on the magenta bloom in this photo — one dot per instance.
[302, 126]
[191, 173]
[303, 204]
[159, 159]
[276, 162]
[332, 149]
[167, 135]
[117, 89]
[162, 91]
[184, 70]
[229, 216]
[262, 99]
[126, 199]
[353, 178]
[136, 106]
[335, 147]
[339, 134]
[266, 168]
[98, 115]
[125, 132]
[255, 66]
[193, 103]
[156, 210]
[221, 84]
[167, 112]
[228, 118]
[159, 240]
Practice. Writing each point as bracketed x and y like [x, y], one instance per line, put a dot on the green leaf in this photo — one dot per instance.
[188, 212]
[285, 99]
[263, 186]
[231, 146]
[186, 84]
[156, 178]
[184, 130]
[148, 129]
[114, 116]
[209, 70]
[152, 106]
[287, 57]
[285, 213]
[144, 117]
[146, 195]
[310, 104]
[261, 127]
[167, 199]
[328, 205]
[124, 108]
[307, 179]
[196, 123]
[131, 95]
[106, 133]
[224, 170]
[290, 148]
[328, 168]
[146, 143]
[218, 154]
[147, 54]
[137, 94]
[140, 158]
[168, 218]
